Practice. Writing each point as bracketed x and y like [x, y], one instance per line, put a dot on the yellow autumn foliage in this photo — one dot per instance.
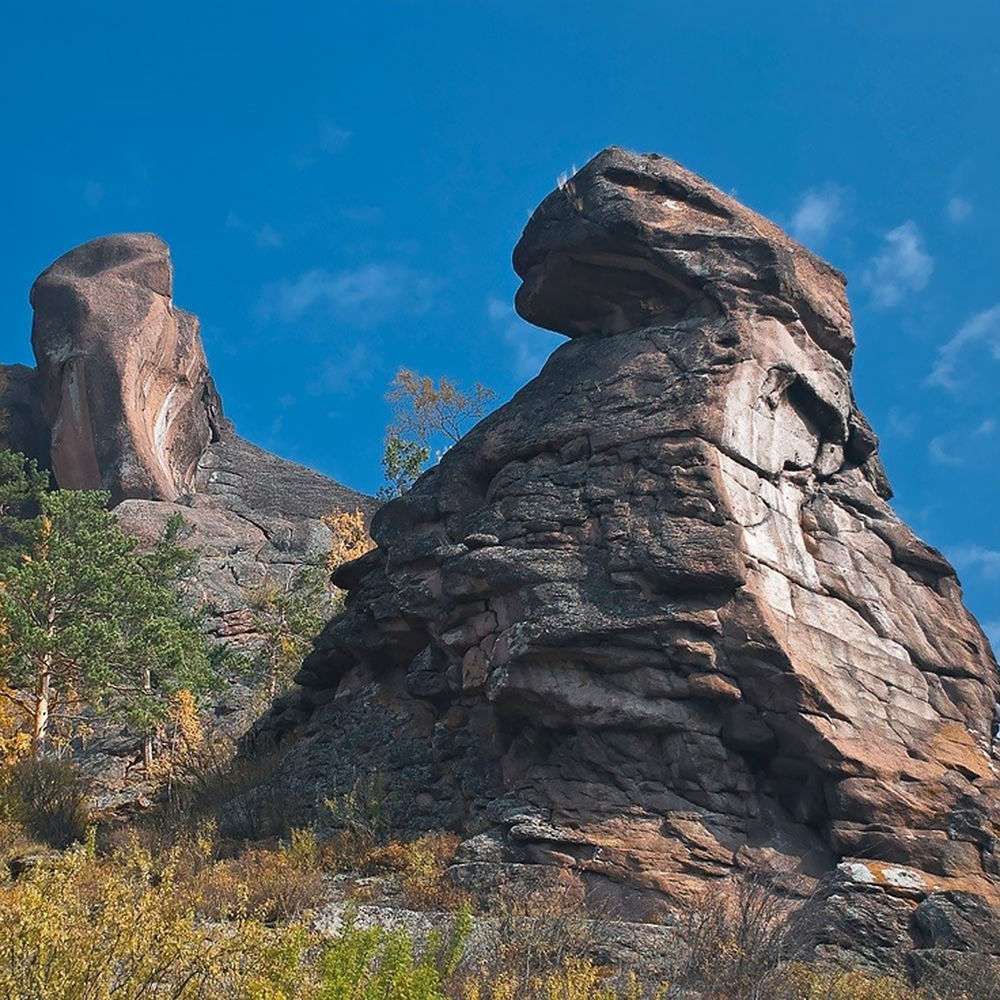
[350, 537]
[184, 740]
[77, 929]
[15, 731]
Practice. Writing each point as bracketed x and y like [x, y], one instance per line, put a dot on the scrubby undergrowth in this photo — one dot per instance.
[164, 908]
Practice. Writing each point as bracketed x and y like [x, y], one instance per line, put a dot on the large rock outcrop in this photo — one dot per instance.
[123, 378]
[122, 400]
[654, 619]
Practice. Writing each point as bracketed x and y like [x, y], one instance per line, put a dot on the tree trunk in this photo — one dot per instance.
[43, 683]
[147, 743]
[43, 690]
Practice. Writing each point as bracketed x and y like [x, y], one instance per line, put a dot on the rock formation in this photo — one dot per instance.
[654, 620]
[123, 378]
[122, 400]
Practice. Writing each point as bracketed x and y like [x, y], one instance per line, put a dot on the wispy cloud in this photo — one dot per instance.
[901, 423]
[957, 447]
[903, 266]
[978, 559]
[958, 210]
[817, 212]
[983, 330]
[360, 296]
[946, 449]
[264, 236]
[529, 349]
[268, 236]
[348, 371]
[330, 138]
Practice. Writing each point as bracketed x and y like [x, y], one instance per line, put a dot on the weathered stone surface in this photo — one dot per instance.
[123, 378]
[699, 638]
[122, 400]
[24, 425]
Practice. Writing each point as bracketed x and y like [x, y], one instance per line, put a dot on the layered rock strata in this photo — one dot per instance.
[654, 619]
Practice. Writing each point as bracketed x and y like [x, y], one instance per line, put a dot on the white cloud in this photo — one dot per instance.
[992, 630]
[268, 236]
[353, 368]
[333, 138]
[958, 209]
[902, 267]
[901, 423]
[982, 329]
[528, 348]
[265, 236]
[817, 212]
[976, 558]
[945, 449]
[973, 445]
[330, 139]
[360, 296]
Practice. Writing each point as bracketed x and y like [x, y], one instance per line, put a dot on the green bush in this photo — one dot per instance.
[48, 797]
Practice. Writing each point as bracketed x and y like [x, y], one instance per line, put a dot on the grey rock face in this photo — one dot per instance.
[658, 601]
[20, 402]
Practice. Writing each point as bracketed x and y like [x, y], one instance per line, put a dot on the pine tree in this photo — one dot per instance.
[82, 615]
[22, 486]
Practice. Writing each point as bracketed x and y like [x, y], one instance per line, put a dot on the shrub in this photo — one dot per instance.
[374, 963]
[524, 940]
[350, 537]
[361, 818]
[798, 981]
[87, 931]
[211, 781]
[421, 865]
[575, 979]
[268, 885]
[48, 797]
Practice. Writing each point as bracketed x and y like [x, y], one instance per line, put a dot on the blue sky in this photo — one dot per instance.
[342, 185]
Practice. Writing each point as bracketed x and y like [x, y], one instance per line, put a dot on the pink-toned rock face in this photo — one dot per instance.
[654, 618]
[123, 378]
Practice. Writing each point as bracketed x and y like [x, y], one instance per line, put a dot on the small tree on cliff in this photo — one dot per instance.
[287, 615]
[424, 413]
[83, 616]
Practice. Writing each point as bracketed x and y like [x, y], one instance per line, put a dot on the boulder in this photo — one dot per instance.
[124, 383]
